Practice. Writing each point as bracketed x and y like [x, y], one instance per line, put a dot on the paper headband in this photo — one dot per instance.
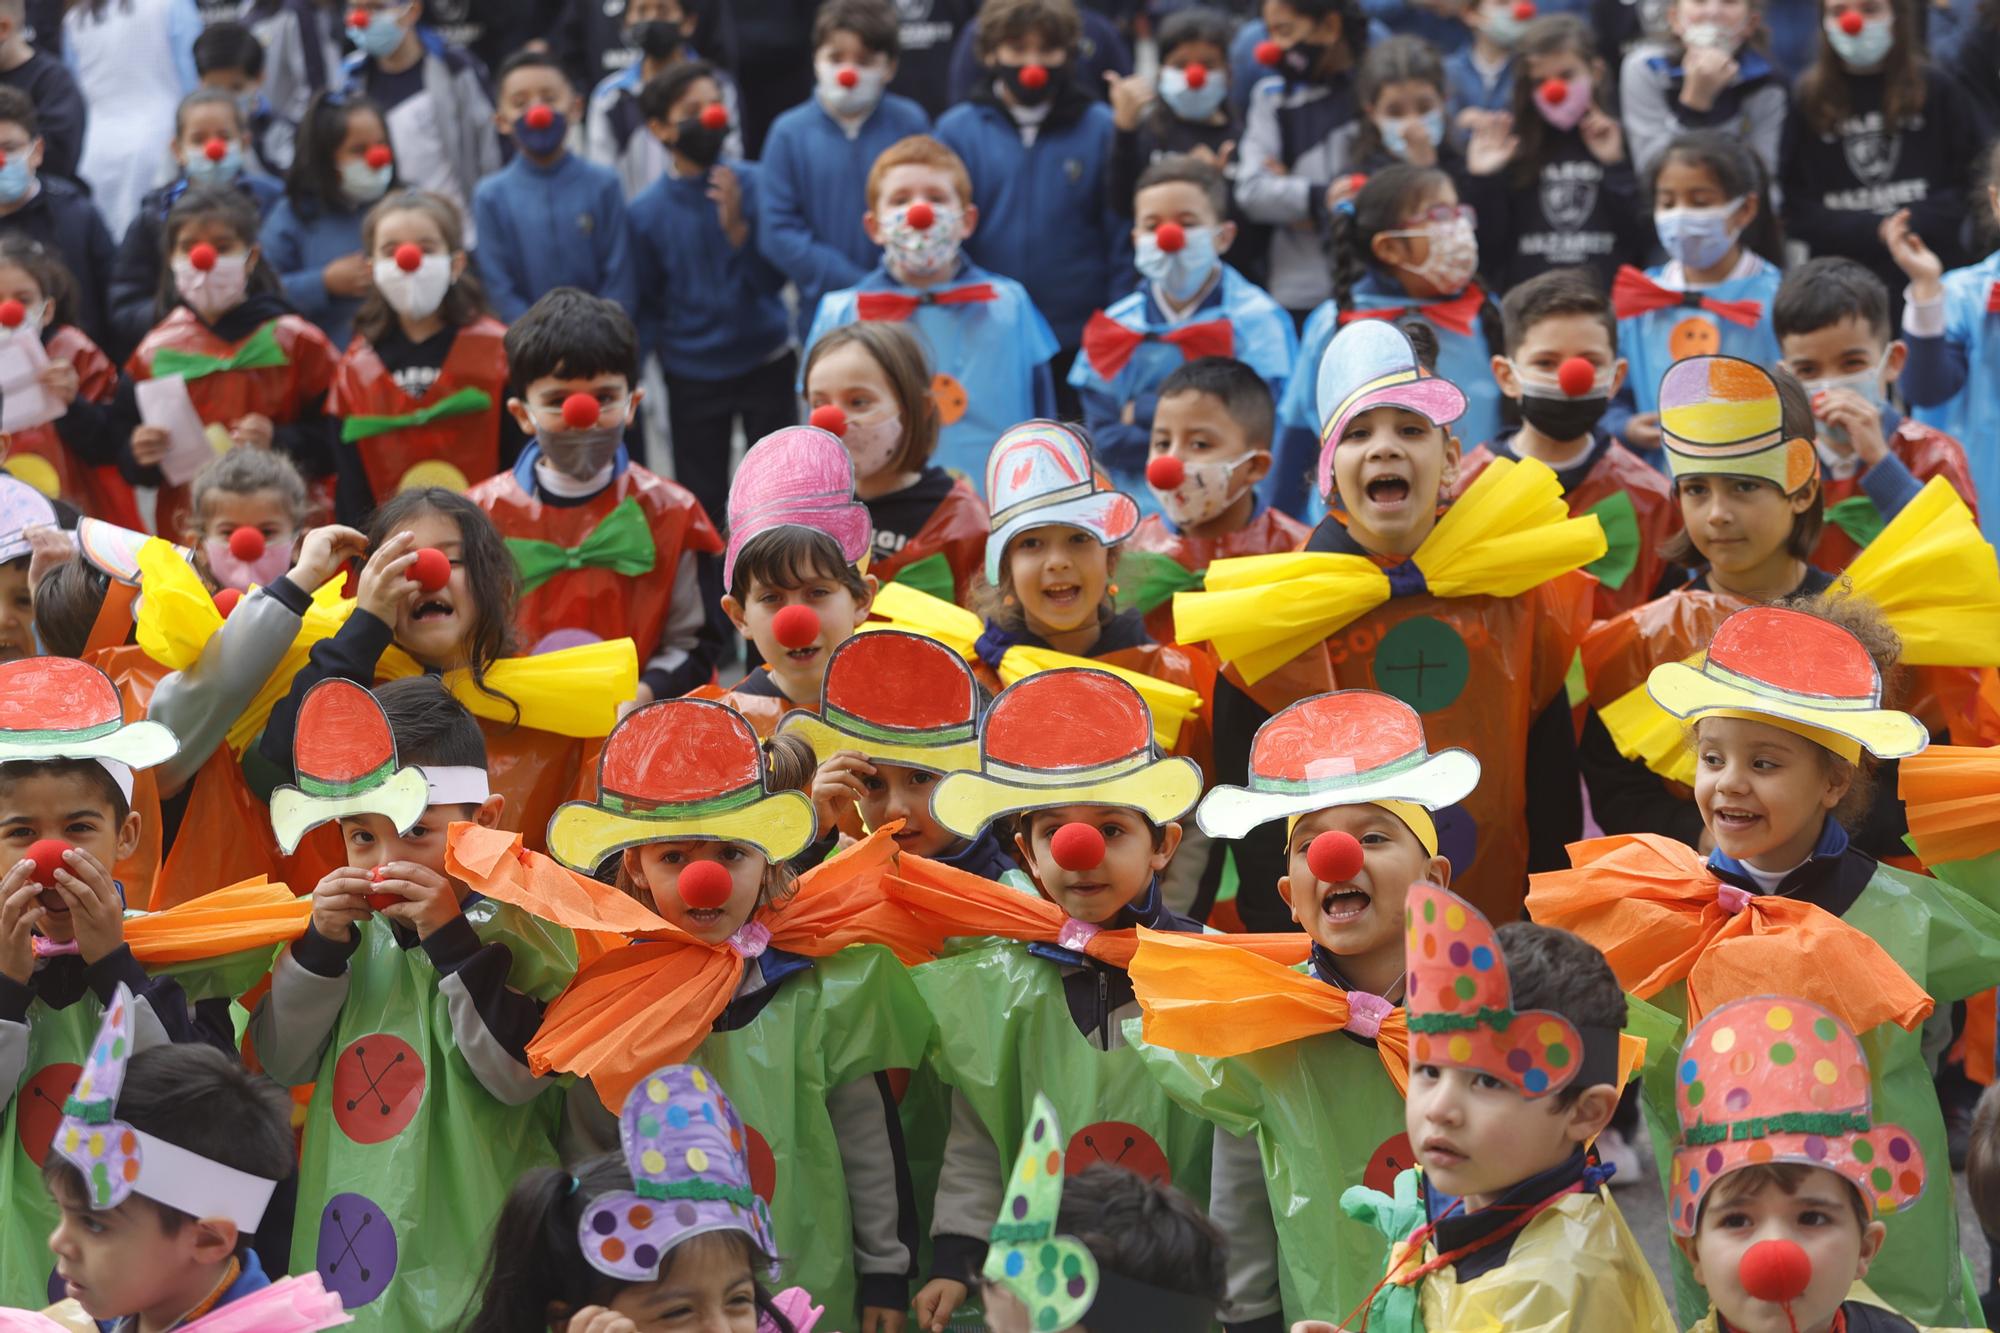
[346, 760]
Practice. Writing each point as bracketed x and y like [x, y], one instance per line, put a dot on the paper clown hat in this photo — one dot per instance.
[346, 762]
[1351, 747]
[798, 477]
[1794, 671]
[1054, 1276]
[1779, 1080]
[1072, 736]
[679, 770]
[1370, 363]
[684, 1144]
[1039, 473]
[1722, 416]
[21, 507]
[118, 1161]
[61, 708]
[898, 698]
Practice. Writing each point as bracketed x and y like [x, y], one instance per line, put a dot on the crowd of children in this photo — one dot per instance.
[1307, 649]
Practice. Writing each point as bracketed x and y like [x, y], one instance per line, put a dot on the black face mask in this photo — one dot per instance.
[698, 143]
[1301, 59]
[1563, 419]
[1025, 96]
[656, 39]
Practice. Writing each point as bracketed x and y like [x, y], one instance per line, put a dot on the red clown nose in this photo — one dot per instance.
[580, 411]
[378, 156]
[47, 856]
[1034, 77]
[1576, 377]
[795, 627]
[829, 418]
[714, 116]
[540, 116]
[431, 569]
[226, 600]
[409, 258]
[203, 257]
[1524, 10]
[246, 544]
[215, 150]
[1169, 236]
[1268, 53]
[1775, 1270]
[920, 215]
[1553, 91]
[847, 77]
[1851, 23]
[1334, 857]
[12, 314]
[1077, 847]
[704, 884]
[1166, 473]
[1196, 75]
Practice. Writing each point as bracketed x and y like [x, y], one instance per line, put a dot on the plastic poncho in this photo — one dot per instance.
[39, 456]
[1656, 339]
[945, 556]
[1858, 1296]
[1157, 561]
[457, 446]
[1853, 520]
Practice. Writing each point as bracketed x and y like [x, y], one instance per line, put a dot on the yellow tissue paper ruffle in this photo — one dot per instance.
[569, 692]
[899, 606]
[1510, 531]
[1930, 573]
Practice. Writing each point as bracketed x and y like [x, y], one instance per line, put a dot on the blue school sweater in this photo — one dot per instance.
[300, 242]
[547, 227]
[1648, 341]
[710, 309]
[1953, 381]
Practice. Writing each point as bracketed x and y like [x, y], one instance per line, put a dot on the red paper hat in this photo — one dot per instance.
[1772, 1079]
[680, 770]
[61, 708]
[1071, 736]
[898, 698]
[345, 755]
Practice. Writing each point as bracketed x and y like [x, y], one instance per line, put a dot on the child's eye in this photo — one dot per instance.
[1733, 1220]
[1813, 1217]
[732, 854]
[1426, 1072]
[1487, 1082]
[418, 832]
[671, 858]
[873, 784]
[921, 778]
[1374, 838]
[82, 827]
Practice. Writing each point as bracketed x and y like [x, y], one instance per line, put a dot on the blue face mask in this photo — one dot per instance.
[1865, 49]
[15, 179]
[542, 142]
[1697, 237]
[202, 171]
[382, 35]
[1180, 272]
[1188, 103]
[1395, 133]
[364, 184]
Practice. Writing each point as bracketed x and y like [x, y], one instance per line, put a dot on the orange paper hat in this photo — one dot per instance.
[680, 770]
[1722, 416]
[1659, 915]
[346, 760]
[898, 698]
[1072, 736]
[62, 708]
[1772, 1079]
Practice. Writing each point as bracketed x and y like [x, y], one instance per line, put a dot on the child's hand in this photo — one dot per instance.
[95, 911]
[385, 580]
[1215, 157]
[1342, 190]
[429, 901]
[340, 903]
[149, 444]
[597, 1319]
[349, 276]
[20, 909]
[322, 554]
[934, 1304]
[876, 1319]
[1924, 268]
[837, 784]
[1492, 145]
[60, 380]
[1858, 417]
[1709, 69]
[725, 191]
[1643, 430]
[1602, 136]
[1130, 96]
[252, 431]
[1418, 150]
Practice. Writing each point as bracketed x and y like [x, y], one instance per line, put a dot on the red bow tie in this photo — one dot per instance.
[1993, 299]
[1110, 345]
[1458, 314]
[1633, 293]
[895, 305]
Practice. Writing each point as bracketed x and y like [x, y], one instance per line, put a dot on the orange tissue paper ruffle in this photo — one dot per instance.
[255, 913]
[1951, 793]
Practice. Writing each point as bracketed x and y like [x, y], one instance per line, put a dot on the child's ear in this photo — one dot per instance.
[489, 811]
[251, 258]
[1872, 1237]
[1438, 871]
[1259, 465]
[1170, 841]
[1504, 376]
[871, 228]
[1618, 371]
[734, 610]
[35, 153]
[1225, 236]
[212, 1239]
[458, 261]
[862, 607]
[1897, 356]
[1386, 248]
[1591, 1112]
[971, 221]
[522, 418]
[1686, 1245]
[128, 836]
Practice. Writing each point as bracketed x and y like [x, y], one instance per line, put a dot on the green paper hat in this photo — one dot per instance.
[1054, 1276]
[346, 759]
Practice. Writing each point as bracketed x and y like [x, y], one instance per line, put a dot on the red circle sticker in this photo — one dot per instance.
[1118, 1144]
[39, 1107]
[763, 1166]
[378, 1083]
[1394, 1157]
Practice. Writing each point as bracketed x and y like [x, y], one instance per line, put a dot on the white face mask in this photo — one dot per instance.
[1453, 257]
[1206, 490]
[217, 291]
[840, 99]
[31, 322]
[414, 295]
[1835, 449]
[871, 444]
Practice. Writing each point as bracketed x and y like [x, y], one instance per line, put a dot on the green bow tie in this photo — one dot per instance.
[1148, 579]
[258, 351]
[932, 575]
[1858, 517]
[1621, 540]
[622, 543]
[457, 405]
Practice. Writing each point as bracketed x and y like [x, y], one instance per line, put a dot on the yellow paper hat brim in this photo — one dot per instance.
[401, 799]
[1688, 694]
[1162, 791]
[827, 738]
[780, 826]
[135, 745]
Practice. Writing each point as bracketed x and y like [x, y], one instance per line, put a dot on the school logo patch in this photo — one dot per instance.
[1119, 1144]
[1871, 153]
[1569, 193]
[378, 1083]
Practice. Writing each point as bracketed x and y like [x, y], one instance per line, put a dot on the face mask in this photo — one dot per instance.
[1301, 58]
[30, 325]
[217, 291]
[655, 39]
[1867, 383]
[1709, 34]
[201, 171]
[698, 143]
[240, 574]
[1575, 101]
[363, 184]
[1206, 490]
[581, 454]
[1395, 133]
[1180, 272]
[1503, 29]
[1192, 103]
[545, 141]
[921, 252]
[1026, 96]
[1453, 257]
[1557, 415]
[15, 179]
[414, 295]
[841, 100]
[871, 444]
[382, 34]
[1865, 49]
[1699, 238]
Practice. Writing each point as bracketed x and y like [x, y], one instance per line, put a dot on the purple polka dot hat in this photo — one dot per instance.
[687, 1151]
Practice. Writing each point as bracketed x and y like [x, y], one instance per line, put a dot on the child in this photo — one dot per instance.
[1360, 796]
[747, 970]
[1291, 154]
[615, 124]
[929, 527]
[1190, 304]
[816, 157]
[256, 373]
[1480, 74]
[1709, 74]
[1401, 94]
[312, 238]
[168, 1240]
[1038, 146]
[1482, 660]
[54, 211]
[408, 1003]
[1745, 1187]
[247, 491]
[1712, 210]
[1187, 109]
[206, 116]
[796, 538]
[988, 344]
[604, 548]
[1561, 368]
[709, 1258]
[709, 302]
[1097, 804]
[229, 59]
[436, 96]
[419, 390]
[1503, 1102]
[23, 510]
[548, 219]
[1781, 710]
[1403, 246]
[47, 83]
[1831, 316]
[1212, 426]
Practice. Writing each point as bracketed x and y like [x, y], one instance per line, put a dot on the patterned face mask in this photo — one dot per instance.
[922, 251]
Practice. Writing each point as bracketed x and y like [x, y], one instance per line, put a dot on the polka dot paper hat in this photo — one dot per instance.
[1054, 1276]
[684, 1144]
[1771, 1079]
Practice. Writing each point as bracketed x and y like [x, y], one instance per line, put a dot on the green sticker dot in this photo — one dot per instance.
[1072, 1266]
[1465, 988]
[1782, 1053]
[1863, 1150]
[649, 1125]
[1045, 1319]
[1046, 1257]
[100, 1181]
[1430, 910]
[1879, 1178]
[1045, 1284]
[1557, 1055]
[1825, 1029]
[1695, 1093]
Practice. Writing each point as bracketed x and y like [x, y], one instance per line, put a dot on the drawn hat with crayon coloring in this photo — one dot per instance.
[345, 756]
[62, 708]
[898, 698]
[1721, 416]
[1039, 473]
[798, 477]
[1370, 363]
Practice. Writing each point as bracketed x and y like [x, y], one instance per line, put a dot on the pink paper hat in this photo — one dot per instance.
[1039, 473]
[798, 477]
[1370, 363]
